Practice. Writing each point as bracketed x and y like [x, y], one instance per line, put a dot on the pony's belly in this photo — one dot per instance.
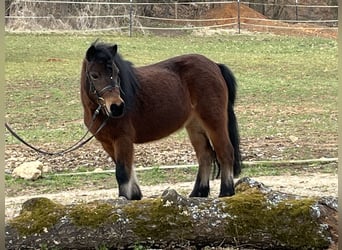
[161, 127]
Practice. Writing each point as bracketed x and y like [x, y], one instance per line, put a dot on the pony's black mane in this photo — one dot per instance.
[128, 81]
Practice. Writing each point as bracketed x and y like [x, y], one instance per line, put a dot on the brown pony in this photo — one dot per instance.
[142, 104]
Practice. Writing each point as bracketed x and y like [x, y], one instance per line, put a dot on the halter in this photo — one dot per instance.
[109, 87]
[99, 94]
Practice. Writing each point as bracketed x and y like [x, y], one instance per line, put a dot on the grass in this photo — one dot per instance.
[287, 87]
[274, 73]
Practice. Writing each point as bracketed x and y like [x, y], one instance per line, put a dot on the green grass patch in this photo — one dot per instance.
[274, 73]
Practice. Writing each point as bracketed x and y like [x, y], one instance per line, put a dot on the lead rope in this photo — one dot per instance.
[81, 142]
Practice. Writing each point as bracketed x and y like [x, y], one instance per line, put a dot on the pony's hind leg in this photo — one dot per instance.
[215, 122]
[217, 130]
[205, 156]
[225, 157]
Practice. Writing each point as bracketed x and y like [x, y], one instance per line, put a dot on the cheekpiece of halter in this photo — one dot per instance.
[99, 93]
[109, 87]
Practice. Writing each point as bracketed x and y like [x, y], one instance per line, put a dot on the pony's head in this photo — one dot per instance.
[103, 76]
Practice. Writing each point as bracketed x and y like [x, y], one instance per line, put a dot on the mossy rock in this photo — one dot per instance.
[157, 218]
[93, 214]
[37, 215]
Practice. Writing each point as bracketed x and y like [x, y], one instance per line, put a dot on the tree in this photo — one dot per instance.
[255, 216]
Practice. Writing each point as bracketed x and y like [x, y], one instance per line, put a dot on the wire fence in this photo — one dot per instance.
[294, 16]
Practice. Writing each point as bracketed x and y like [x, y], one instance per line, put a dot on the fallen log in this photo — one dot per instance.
[255, 217]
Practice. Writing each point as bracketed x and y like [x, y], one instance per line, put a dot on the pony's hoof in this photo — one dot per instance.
[200, 192]
[130, 192]
[227, 191]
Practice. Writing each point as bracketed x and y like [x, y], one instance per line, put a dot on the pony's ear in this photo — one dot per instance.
[114, 49]
[90, 54]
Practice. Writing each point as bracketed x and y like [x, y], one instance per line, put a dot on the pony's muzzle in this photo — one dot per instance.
[114, 105]
[117, 110]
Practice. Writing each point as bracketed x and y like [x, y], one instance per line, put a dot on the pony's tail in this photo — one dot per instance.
[232, 122]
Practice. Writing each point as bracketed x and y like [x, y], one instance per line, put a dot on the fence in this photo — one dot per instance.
[294, 16]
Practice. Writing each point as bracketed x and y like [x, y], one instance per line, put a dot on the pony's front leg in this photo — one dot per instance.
[125, 175]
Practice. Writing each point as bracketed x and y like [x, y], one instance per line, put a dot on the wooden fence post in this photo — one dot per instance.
[239, 21]
[130, 19]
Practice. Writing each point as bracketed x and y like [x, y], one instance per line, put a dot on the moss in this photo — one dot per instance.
[242, 187]
[157, 219]
[37, 215]
[252, 216]
[93, 214]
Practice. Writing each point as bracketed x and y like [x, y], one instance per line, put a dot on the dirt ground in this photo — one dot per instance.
[176, 151]
[254, 21]
[307, 185]
[172, 150]
[168, 151]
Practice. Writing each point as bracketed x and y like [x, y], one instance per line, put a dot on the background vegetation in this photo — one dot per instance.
[287, 85]
[287, 95]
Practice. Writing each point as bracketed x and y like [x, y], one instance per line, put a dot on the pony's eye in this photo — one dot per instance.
[94, 76]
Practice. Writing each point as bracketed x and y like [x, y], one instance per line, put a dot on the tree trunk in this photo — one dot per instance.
[254, 217]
